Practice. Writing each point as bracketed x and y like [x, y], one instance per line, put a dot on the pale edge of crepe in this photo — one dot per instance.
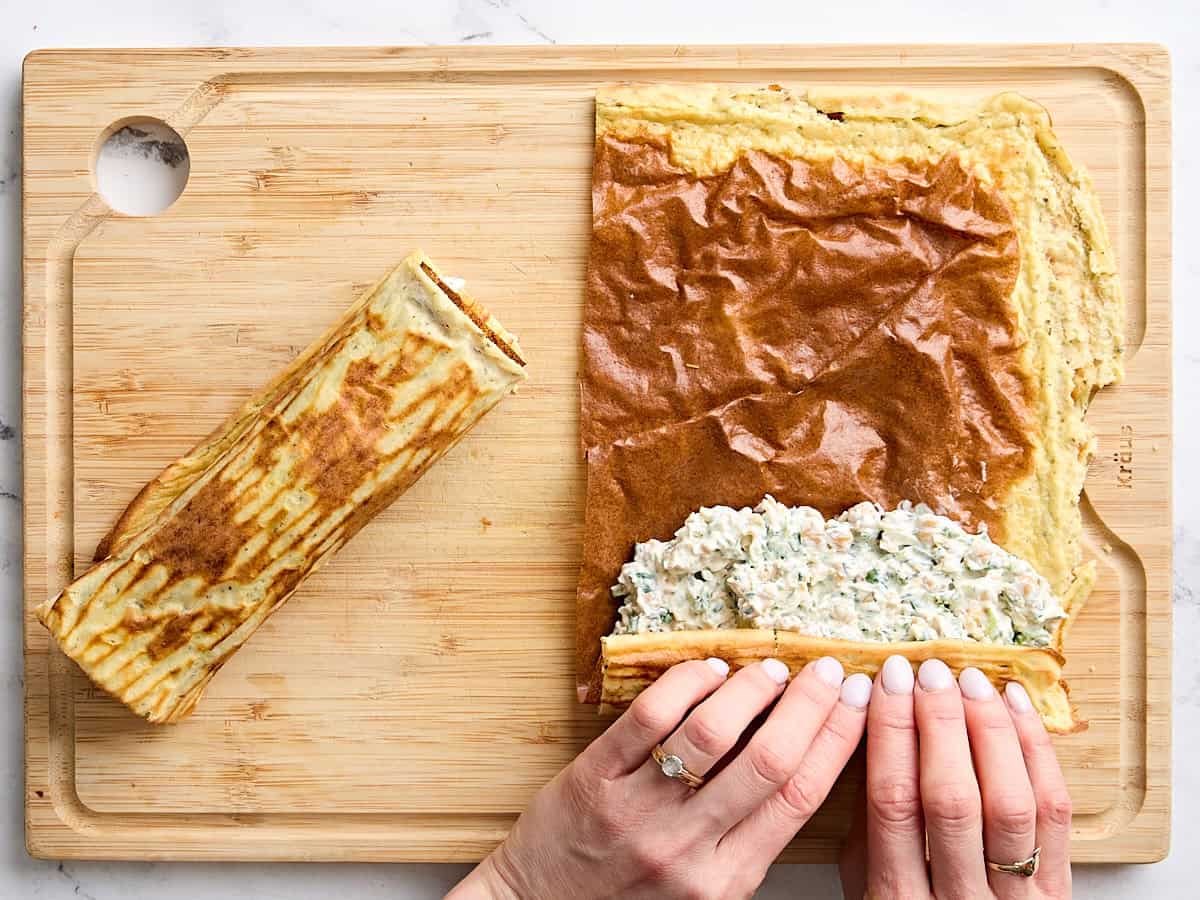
[632, 662]
[1067, 297]
[496, 359]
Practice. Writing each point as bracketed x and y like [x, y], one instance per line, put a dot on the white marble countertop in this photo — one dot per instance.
[29, 25]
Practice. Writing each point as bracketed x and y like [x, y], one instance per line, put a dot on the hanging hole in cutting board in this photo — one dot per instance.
[141, 166]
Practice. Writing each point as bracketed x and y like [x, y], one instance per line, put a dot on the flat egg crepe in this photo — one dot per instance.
[832, 300]
[224, 536]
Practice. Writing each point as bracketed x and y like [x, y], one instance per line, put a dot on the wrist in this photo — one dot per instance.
[487, 881]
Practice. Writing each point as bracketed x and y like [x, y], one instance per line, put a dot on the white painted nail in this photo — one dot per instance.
[897, 675]
[935, 675]
[1017, 698]
[718, 665]
[975, 685]
[829, 670]
[856, 691]
[775, 670]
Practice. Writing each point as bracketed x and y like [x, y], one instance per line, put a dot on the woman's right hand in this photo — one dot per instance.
[969, 774]
[612, 824]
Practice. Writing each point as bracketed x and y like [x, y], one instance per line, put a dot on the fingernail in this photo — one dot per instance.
[1017, 698]
[897, 675]
[718, 665]
[829, 670]
[775, 670]
[975, 685]
[856, 690]
[935, 675]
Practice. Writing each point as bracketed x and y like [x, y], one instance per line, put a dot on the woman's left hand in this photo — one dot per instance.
[613, 824]
[957, 775]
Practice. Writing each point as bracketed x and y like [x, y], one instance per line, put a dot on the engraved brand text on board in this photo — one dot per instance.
[1124, 458]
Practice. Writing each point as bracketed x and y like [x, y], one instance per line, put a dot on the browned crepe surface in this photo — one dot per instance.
[220, 540]
[824, 331]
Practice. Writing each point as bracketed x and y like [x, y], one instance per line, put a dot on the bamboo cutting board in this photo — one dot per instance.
[416, 691]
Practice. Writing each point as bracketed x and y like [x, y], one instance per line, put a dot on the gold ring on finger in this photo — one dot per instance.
[672, 766]
[1026, 868]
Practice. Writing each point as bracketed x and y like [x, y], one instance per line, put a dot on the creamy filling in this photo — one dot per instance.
[867, 575]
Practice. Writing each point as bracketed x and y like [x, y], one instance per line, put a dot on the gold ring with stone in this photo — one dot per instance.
[1026, 868]
[672, 766]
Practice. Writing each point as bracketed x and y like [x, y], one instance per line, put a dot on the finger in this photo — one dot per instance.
[895, 825]
[852, 861]
[1051, 799]
[776, 751]
[655, 713]
[949, 791]
[1009, 814]
[712, 729]
[769, 828]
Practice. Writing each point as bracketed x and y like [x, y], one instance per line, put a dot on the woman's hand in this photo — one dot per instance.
[972, 772]
[612, 824]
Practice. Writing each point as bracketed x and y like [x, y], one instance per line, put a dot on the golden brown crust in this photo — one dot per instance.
[631, 662]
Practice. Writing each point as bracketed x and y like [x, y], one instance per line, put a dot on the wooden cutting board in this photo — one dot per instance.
[416, 692]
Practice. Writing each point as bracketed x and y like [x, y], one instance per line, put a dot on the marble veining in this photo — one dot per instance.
[353, 22]
[509, 8]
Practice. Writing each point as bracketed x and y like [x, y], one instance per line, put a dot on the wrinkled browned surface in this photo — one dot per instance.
[818, 331]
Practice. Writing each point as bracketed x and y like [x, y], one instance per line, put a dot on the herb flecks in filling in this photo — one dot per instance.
[867, 575]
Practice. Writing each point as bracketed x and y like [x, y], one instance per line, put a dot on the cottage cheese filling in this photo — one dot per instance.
[867, 575]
